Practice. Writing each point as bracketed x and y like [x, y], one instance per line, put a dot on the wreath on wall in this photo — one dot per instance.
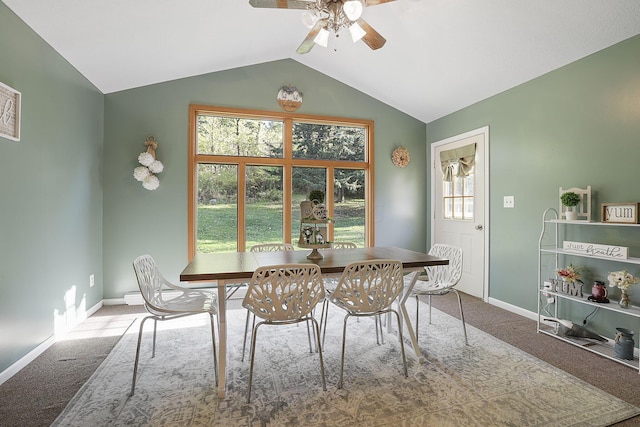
[400, 157]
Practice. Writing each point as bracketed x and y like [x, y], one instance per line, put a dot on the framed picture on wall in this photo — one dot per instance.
[9, 112]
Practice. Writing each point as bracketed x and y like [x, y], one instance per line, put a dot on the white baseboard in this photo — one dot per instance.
[31, 356]
[514, 309]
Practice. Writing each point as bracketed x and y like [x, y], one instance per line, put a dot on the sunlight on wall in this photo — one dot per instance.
[64, 321]
[625, 103]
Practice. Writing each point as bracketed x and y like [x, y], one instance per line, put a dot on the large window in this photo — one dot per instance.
[249, 171]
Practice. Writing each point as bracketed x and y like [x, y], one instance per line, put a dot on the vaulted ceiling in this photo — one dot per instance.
[440, 55]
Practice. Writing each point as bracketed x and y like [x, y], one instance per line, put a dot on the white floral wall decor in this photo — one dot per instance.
[150, 166]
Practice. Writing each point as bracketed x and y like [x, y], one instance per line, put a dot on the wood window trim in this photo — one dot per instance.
[287, 162]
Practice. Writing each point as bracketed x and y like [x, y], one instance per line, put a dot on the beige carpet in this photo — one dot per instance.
[488, 383]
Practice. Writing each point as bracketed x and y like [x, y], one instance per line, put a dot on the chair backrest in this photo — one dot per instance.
[447, 275]
[271, 247]
[150, 281]
[284, 292]
[369, 286]
[343, 245]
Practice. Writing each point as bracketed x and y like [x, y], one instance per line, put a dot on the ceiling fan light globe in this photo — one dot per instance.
[309, 19]
[357, 32]
[352, 9]
[322, 38]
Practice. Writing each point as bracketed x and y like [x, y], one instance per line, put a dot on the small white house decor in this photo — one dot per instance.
[9, 112]
[150, 166]
[620, 213]
[580, 211]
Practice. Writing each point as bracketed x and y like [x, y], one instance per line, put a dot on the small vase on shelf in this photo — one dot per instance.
[624, 299]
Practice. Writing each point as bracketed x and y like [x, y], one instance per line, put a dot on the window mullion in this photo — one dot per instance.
[242, 191]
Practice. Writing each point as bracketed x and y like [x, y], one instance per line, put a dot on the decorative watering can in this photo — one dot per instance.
[624, 344]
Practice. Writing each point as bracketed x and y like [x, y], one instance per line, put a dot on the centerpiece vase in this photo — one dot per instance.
[624, 299]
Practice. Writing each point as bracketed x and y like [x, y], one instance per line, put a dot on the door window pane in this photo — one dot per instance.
[238, 136]
[263, 207]
[458, 196]
[217, 219]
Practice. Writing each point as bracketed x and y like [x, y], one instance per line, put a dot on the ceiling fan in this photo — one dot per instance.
[324, 16]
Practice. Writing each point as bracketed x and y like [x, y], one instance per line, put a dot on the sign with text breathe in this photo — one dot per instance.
[595, 250]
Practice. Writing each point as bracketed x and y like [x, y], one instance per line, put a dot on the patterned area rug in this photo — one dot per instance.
[487, 383]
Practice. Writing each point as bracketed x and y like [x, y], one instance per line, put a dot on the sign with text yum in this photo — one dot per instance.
[595, 250]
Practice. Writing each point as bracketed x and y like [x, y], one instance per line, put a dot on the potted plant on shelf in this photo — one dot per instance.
[570, 200]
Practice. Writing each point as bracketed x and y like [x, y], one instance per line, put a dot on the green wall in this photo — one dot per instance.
[138, 221]
[50, 194]
[71, 208]
[573, 127]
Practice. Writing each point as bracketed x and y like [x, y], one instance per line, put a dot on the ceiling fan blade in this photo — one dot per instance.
[376, 2]
[281, 4]
[308, 43]
[372, 38]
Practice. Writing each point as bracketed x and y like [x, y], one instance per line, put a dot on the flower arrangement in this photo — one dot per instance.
[571, 273]
[621, 279]
[150, 166]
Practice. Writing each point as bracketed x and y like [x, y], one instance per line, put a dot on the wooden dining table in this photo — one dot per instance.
[231, 268]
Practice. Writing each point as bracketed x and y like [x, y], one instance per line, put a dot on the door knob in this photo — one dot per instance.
[479, 227]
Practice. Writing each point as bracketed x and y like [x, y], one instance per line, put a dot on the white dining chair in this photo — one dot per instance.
[440, 280]
[282, 295]
[343, 245]
[262, 247]
[329, 285]
[161, 307]
[369, 288]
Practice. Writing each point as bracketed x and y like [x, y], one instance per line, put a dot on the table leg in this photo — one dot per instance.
[222, 334]
[405, 315]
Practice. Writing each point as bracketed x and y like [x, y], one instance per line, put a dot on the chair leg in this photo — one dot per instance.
[404, 358]
[253, 354]
[417, 315]
[323, 319]
[309, 337]
[344, 338]
[380, 336]
[155, 328]
[215, 352]
[135, 364]
[429, 309]
[464, 326]
[317, 328]
[246, 330]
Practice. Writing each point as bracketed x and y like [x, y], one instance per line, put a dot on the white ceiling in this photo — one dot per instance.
[440, 56]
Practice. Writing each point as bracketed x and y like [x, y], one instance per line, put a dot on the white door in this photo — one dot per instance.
[460, 208]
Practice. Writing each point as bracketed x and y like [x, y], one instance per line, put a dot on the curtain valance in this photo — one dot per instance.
[464, 157]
